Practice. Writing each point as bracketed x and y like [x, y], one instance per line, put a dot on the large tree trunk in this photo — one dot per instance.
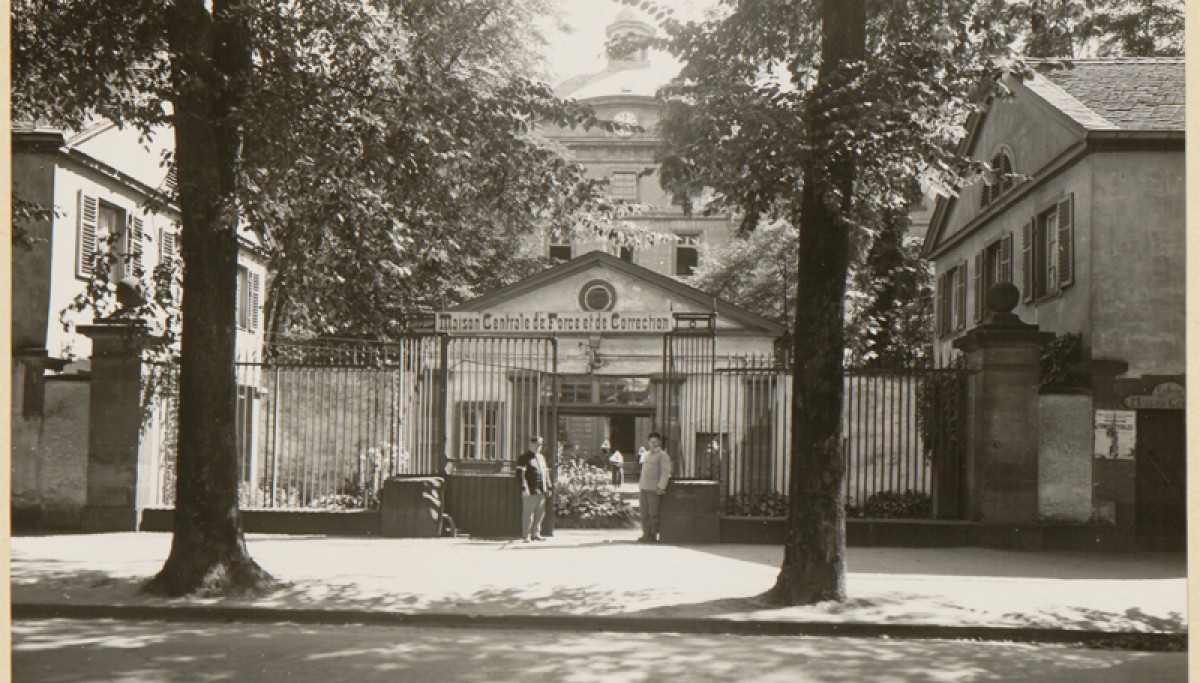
[814, 555]
[210, 63]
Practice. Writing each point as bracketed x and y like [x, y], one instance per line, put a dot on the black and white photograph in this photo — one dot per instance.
[597, 340]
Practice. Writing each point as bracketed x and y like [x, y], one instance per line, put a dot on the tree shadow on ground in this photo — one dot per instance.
[62, 651]
[981, 562]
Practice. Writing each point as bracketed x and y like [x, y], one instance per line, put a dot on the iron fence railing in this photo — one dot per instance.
[324, 432]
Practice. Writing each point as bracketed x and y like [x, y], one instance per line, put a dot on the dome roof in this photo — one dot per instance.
[644, 81]
[638, 75]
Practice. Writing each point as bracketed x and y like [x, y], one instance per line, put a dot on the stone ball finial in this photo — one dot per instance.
[127, 293]
[1002, 297]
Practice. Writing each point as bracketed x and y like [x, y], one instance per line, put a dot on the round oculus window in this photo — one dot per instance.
[597, 295]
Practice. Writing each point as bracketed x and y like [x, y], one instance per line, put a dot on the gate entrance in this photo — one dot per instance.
[1161, 475]
[470, 404]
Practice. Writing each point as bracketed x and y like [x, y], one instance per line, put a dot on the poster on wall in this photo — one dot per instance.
[1116, 432]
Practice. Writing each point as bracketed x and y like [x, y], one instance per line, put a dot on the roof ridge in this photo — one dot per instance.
[1058, 97]
[1106, 60]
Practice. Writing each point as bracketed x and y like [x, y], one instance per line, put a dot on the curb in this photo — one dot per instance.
[1157, 641]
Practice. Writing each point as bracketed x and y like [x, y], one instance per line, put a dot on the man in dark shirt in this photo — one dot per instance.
[535, 489]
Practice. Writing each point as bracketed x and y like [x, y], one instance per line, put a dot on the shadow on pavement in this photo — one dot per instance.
[982, 562]
[62, 651]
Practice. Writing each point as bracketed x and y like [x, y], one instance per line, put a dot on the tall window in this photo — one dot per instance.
[1048, 252]
[99, 219]
[621, 251]
[687, 254]
[993, 265]
[479, 430]
[1001, 179]
[951, 300]
[248, 284]
[560, 252]
[623, 186]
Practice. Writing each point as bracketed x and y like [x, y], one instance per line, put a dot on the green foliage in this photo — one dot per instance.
[397, 162]
[25, 215]
[942, 412]
[890, 301]
[1062, 362]
[584, 499]
[763, 504]
[893, 505]
[1069, 29]
[755, 272]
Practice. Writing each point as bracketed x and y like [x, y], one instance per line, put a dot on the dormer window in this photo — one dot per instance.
[1001, 179]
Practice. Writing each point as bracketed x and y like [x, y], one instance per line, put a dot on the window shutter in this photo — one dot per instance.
[166, 245]
[960, 297]
[1027, 262]
[85, 252]
[1005, 274]
[1051, 255]
[940, 306]
[1066, 242]
[136, 235]
[977, 284]
[254, 288]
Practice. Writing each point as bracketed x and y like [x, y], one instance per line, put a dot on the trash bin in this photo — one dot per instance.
[411, 507]
[689, 513]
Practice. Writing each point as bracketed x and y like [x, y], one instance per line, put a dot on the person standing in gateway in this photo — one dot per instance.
[652, 485]
[535, 489]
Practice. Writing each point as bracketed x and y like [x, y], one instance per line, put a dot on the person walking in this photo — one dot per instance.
[652, 485]
[616, 463]
[535, 489]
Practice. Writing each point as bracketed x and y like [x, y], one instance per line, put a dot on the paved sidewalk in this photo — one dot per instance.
[604, 579]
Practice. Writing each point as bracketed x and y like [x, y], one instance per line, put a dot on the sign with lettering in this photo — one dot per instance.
[554, 322]
[1116, 432]
[1166, 396]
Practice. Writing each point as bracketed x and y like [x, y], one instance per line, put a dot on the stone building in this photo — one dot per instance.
[101, 183]
[1086, 216]
[624, 91]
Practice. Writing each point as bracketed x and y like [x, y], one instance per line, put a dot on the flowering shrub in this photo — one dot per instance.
[892, 505]
[768, 504]
[584, 498]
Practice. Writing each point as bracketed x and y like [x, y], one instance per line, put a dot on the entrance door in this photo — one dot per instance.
[1161, 480]
[622, 435]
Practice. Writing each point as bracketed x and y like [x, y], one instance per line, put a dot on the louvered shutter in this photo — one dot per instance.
[960, 297]
[166, 245]
[254, 296]
[136, 244]
[940, 307]
[1051, 255]
[85, 252]
[977, 283]
[1027, 262]
[1006, 245]
[1066, 242]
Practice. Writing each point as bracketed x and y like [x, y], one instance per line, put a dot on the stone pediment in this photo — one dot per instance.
[599, 293]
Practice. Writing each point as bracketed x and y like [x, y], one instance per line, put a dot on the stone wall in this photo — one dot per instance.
[49, 453]
[1065, 457]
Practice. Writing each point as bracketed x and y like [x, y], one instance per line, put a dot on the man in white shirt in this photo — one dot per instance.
[535, 489]
[652, 485]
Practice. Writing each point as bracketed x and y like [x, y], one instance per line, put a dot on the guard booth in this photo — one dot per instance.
[594, 349]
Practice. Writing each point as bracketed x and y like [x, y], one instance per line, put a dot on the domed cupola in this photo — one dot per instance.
[627, 24]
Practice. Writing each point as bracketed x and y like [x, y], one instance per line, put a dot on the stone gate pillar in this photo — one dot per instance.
[1002, 434]
[115, 419]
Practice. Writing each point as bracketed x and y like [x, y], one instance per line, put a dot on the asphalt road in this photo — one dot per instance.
[60, 651]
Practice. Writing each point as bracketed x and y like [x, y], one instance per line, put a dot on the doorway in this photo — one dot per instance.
[1161, 471]
[622, 434]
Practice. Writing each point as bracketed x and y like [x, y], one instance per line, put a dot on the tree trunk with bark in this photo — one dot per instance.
[814, 554]
[210, 57]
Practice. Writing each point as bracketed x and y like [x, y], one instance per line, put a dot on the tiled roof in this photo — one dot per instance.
[1115, 94]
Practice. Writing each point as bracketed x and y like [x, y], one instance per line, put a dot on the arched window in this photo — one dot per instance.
[1001, 180]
